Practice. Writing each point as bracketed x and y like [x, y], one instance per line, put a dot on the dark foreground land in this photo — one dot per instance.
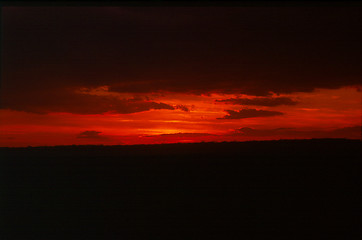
[256, 190]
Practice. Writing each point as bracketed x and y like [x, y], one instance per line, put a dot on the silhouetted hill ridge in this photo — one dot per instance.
[278, 147]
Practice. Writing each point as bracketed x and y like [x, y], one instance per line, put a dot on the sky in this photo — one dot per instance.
[150, 75]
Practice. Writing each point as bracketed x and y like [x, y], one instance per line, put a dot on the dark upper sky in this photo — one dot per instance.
[48, 52]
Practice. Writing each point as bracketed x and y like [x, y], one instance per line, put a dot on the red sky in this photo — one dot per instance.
[138, 75]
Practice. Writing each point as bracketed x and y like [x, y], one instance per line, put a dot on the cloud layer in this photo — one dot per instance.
[261, 101]
[249, 50]
[72, 102]
[249, 113]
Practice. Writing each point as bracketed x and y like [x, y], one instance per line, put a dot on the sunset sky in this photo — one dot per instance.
[145, 75]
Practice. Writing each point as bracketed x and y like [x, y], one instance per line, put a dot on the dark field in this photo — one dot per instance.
[294, 188]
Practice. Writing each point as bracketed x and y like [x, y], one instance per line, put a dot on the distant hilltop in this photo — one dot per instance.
[298, 147]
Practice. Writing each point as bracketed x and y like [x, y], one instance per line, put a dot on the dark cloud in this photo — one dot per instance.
[67, 101]
[347, 132]
[90, 134]
[251, 50]
[261, 101]
[182, 107]
[250, 113]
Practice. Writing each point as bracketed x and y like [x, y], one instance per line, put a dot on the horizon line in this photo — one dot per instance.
[184, 143]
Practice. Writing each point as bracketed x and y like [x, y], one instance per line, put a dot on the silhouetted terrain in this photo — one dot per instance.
[307, 188]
